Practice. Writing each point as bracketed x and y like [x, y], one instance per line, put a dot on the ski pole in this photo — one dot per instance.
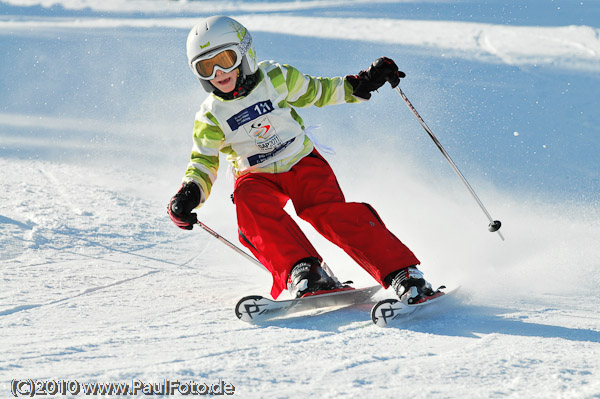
[231, 245]
[494, 225]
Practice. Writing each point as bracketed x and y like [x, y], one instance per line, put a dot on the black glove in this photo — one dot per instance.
[181, 206]
[381, 70]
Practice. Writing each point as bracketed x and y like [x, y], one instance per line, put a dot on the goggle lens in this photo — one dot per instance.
[226, 59]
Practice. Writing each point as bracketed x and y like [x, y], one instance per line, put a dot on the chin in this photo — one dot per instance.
[226, 89]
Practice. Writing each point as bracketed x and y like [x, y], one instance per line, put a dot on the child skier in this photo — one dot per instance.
[250, 115]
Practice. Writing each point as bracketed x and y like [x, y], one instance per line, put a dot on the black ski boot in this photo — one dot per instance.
[308, 276]
[410, 286]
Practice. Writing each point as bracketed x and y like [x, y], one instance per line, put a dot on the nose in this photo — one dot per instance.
[219, 73]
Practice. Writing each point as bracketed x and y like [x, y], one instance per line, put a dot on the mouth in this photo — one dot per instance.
[224, 81]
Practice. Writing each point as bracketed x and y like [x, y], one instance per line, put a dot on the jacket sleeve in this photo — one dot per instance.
[204, 160]
[305, 90]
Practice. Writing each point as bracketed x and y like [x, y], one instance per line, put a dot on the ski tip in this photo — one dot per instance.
[385, 311]
[248, 306]
[391, 311]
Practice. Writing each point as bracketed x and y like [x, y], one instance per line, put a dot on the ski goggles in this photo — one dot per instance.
[226, 60]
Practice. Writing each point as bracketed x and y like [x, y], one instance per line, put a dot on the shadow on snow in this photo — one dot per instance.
[450, 319]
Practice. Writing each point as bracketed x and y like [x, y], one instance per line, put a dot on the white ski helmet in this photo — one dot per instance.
[213, 37]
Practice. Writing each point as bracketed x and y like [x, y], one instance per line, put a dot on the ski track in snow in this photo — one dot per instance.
[96, 284]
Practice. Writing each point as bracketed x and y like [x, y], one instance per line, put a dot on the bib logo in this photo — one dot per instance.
[264, 134]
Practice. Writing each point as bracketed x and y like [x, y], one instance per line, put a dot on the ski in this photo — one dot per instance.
[390, 311]
[256, 308]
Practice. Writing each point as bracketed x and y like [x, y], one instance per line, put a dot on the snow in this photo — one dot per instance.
[96, 283]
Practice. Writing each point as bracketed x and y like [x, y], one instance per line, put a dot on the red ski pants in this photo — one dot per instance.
[278, 243]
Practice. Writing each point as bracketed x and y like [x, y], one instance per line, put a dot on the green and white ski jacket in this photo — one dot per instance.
[260, 132]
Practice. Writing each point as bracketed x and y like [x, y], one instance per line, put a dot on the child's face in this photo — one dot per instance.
[225, 82]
